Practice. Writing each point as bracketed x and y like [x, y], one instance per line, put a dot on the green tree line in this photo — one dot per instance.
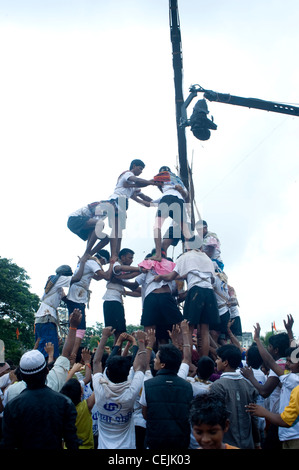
[17, 308]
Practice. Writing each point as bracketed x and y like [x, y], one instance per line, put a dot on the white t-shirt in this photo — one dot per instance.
[115, 404]
[289, 382]
[121, 190]
[261, 378]
[83, 211]
[78, 291]
[114, 291]
[51, 300]
[13, 390]
[55, 380]
[199, 386]
[137, 415]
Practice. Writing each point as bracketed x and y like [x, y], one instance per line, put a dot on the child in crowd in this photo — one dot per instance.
[209, 421]
[74, 391]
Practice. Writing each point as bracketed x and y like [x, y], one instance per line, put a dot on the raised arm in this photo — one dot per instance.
[129, 269]
[75, 319]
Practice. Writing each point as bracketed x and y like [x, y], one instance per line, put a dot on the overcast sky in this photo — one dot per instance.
[86, 86]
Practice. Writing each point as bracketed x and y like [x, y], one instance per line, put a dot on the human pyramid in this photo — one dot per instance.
[210, 304]
[180, 382]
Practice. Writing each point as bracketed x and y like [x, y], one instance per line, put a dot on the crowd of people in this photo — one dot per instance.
[182, 381]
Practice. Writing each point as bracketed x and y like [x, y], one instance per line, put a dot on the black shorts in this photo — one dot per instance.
[236, 327]
[159, 310]
[201, 307]
[116, 211]
[114, 315]
[76, 225]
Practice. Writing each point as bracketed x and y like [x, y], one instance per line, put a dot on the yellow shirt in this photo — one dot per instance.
[84, 425]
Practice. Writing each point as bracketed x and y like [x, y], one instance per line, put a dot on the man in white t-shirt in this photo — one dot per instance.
[159, 308]
[115, 394]
[115, 207]
[172, 205]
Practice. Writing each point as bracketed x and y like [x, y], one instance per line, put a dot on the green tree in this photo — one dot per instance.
[17, 308]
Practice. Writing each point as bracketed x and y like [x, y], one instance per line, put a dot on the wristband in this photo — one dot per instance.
[148, 347]
[72, 328]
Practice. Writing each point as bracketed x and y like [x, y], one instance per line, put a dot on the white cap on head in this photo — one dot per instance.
[32, 362]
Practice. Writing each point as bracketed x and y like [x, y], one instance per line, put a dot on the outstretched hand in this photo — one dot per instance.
[108, 331]
[257, 331]
[255, 410]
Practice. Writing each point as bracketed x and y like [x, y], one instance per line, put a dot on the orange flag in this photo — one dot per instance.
[17, 333]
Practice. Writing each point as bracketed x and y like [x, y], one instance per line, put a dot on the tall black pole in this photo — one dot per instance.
[177, 60]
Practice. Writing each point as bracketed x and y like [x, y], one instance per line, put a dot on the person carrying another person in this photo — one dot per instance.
[113, 308]
[115, 393]
[209, 419]
[166, 399]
